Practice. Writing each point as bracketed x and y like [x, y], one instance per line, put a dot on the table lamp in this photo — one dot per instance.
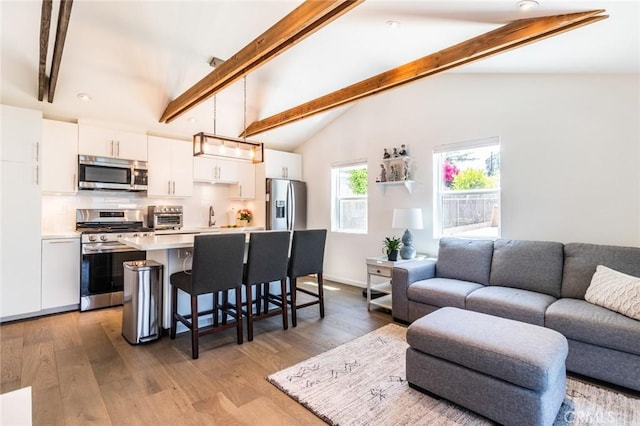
[407, 219]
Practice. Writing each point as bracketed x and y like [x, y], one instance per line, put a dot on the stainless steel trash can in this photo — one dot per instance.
[142, 310]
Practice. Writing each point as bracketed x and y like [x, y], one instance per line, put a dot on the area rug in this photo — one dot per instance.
[362, 382]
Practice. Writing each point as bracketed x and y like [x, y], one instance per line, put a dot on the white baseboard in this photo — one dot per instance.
[347, 281]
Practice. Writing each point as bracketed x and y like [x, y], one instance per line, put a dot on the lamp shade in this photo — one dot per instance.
[407, 218]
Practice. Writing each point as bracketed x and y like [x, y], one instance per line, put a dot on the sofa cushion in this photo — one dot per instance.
[441, 292]
[512, 303]
[588, 323]
[580, 261]
[615, 291]
[529, 265]
[462, 259]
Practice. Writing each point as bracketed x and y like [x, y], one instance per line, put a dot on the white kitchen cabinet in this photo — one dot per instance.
[282, 165]
[20, 212]
[104, 142]
[59, 157]
[245, 189]
[170, 168]
[60, 273]
[215, 170]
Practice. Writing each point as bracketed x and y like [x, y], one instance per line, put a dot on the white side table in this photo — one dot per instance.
[381, 267]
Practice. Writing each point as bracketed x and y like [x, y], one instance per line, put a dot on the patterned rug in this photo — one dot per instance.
[362, 382]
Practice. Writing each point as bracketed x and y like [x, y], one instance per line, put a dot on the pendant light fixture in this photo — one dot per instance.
[214, 145]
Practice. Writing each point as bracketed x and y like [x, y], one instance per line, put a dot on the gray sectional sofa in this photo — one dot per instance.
[537, 282]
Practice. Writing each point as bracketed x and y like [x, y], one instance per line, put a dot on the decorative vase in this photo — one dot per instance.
[242, 222]
[392, 255]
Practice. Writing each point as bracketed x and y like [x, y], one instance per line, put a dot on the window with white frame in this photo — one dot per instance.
[467, 189]
[349, 198]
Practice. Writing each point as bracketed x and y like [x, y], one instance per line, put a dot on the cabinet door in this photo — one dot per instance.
[104, 142]
[245, 189]
[20, 212]
[227, 171]
[274, 164]
[60, 272]
[203, 169]
[215, 170]
[182, 168]
[282, 165]
[293, 165]
[59, 157]
[97, 141]
[131, 146]
[159, 175]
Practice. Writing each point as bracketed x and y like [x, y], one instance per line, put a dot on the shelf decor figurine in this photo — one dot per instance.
[383, 174]
[407, 219]
[386, 154]
[391, 247]
[395, 153]
[403, 150]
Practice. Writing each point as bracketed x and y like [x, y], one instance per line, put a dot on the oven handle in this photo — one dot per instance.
[105, 248]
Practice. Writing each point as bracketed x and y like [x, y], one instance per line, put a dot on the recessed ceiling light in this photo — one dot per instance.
[392, 24]
[84, 97]
[527, 4]
[192, 120]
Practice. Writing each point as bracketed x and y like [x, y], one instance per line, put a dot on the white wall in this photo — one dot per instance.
[570, 157]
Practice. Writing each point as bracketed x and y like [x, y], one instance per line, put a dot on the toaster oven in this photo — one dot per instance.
[165, 217]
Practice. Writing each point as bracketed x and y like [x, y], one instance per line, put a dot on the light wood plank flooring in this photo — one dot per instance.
[83, 371]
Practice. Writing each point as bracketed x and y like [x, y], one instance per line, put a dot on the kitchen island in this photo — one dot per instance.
[174, 252]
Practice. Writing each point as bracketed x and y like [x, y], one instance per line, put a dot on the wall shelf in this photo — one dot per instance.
[407, 183]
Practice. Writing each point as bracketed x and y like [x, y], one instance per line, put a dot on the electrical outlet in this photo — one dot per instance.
[182, 253]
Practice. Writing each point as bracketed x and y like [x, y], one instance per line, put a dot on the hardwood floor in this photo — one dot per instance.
[83, 371]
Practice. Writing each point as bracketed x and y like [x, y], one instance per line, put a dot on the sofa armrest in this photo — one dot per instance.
[402, 277]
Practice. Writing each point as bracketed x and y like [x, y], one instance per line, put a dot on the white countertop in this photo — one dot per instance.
[174, 241]
[60, 235]
[207, 230]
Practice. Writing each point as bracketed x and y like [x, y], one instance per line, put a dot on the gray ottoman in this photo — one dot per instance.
[508, 371]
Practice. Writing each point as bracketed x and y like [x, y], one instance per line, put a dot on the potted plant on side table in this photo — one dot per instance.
[391, 247]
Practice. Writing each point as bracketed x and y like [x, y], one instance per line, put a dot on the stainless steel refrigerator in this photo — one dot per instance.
[286, 204]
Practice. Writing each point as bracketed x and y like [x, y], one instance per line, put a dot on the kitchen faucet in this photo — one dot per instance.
[212, 214]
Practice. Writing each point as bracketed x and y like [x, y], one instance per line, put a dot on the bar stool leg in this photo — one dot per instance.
[293, 287]
[174, 310]
[321, 294]
[285, 314]
[249, 290]
[194, 327]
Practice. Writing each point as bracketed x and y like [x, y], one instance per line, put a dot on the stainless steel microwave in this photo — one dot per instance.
[111, 173]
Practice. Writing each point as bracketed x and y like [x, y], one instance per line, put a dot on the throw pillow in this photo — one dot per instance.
[615, 291]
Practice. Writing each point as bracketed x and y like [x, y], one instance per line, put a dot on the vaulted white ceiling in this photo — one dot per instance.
[133, 57]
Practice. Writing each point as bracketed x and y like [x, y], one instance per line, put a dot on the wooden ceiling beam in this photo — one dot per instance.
[306, 19]
[61, 34]
[507, 37]
[45, 28]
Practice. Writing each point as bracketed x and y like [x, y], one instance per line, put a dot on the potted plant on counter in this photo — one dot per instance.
[244, 217]
[391, 246]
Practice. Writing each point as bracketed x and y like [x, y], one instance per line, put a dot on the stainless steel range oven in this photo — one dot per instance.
[102, 256]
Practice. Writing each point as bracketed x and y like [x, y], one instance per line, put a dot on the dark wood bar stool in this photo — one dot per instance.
[307, 258]
[217, 268]
[267, 261]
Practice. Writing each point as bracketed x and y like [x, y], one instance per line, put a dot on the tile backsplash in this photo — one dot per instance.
[59, 211]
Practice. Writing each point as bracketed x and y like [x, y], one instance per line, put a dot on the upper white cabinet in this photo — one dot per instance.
[245, 189]
[215, 170]
[282, 165]
[170, 168]
[59, 157]
[60, 273]
[20, 211]
[104, 142]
